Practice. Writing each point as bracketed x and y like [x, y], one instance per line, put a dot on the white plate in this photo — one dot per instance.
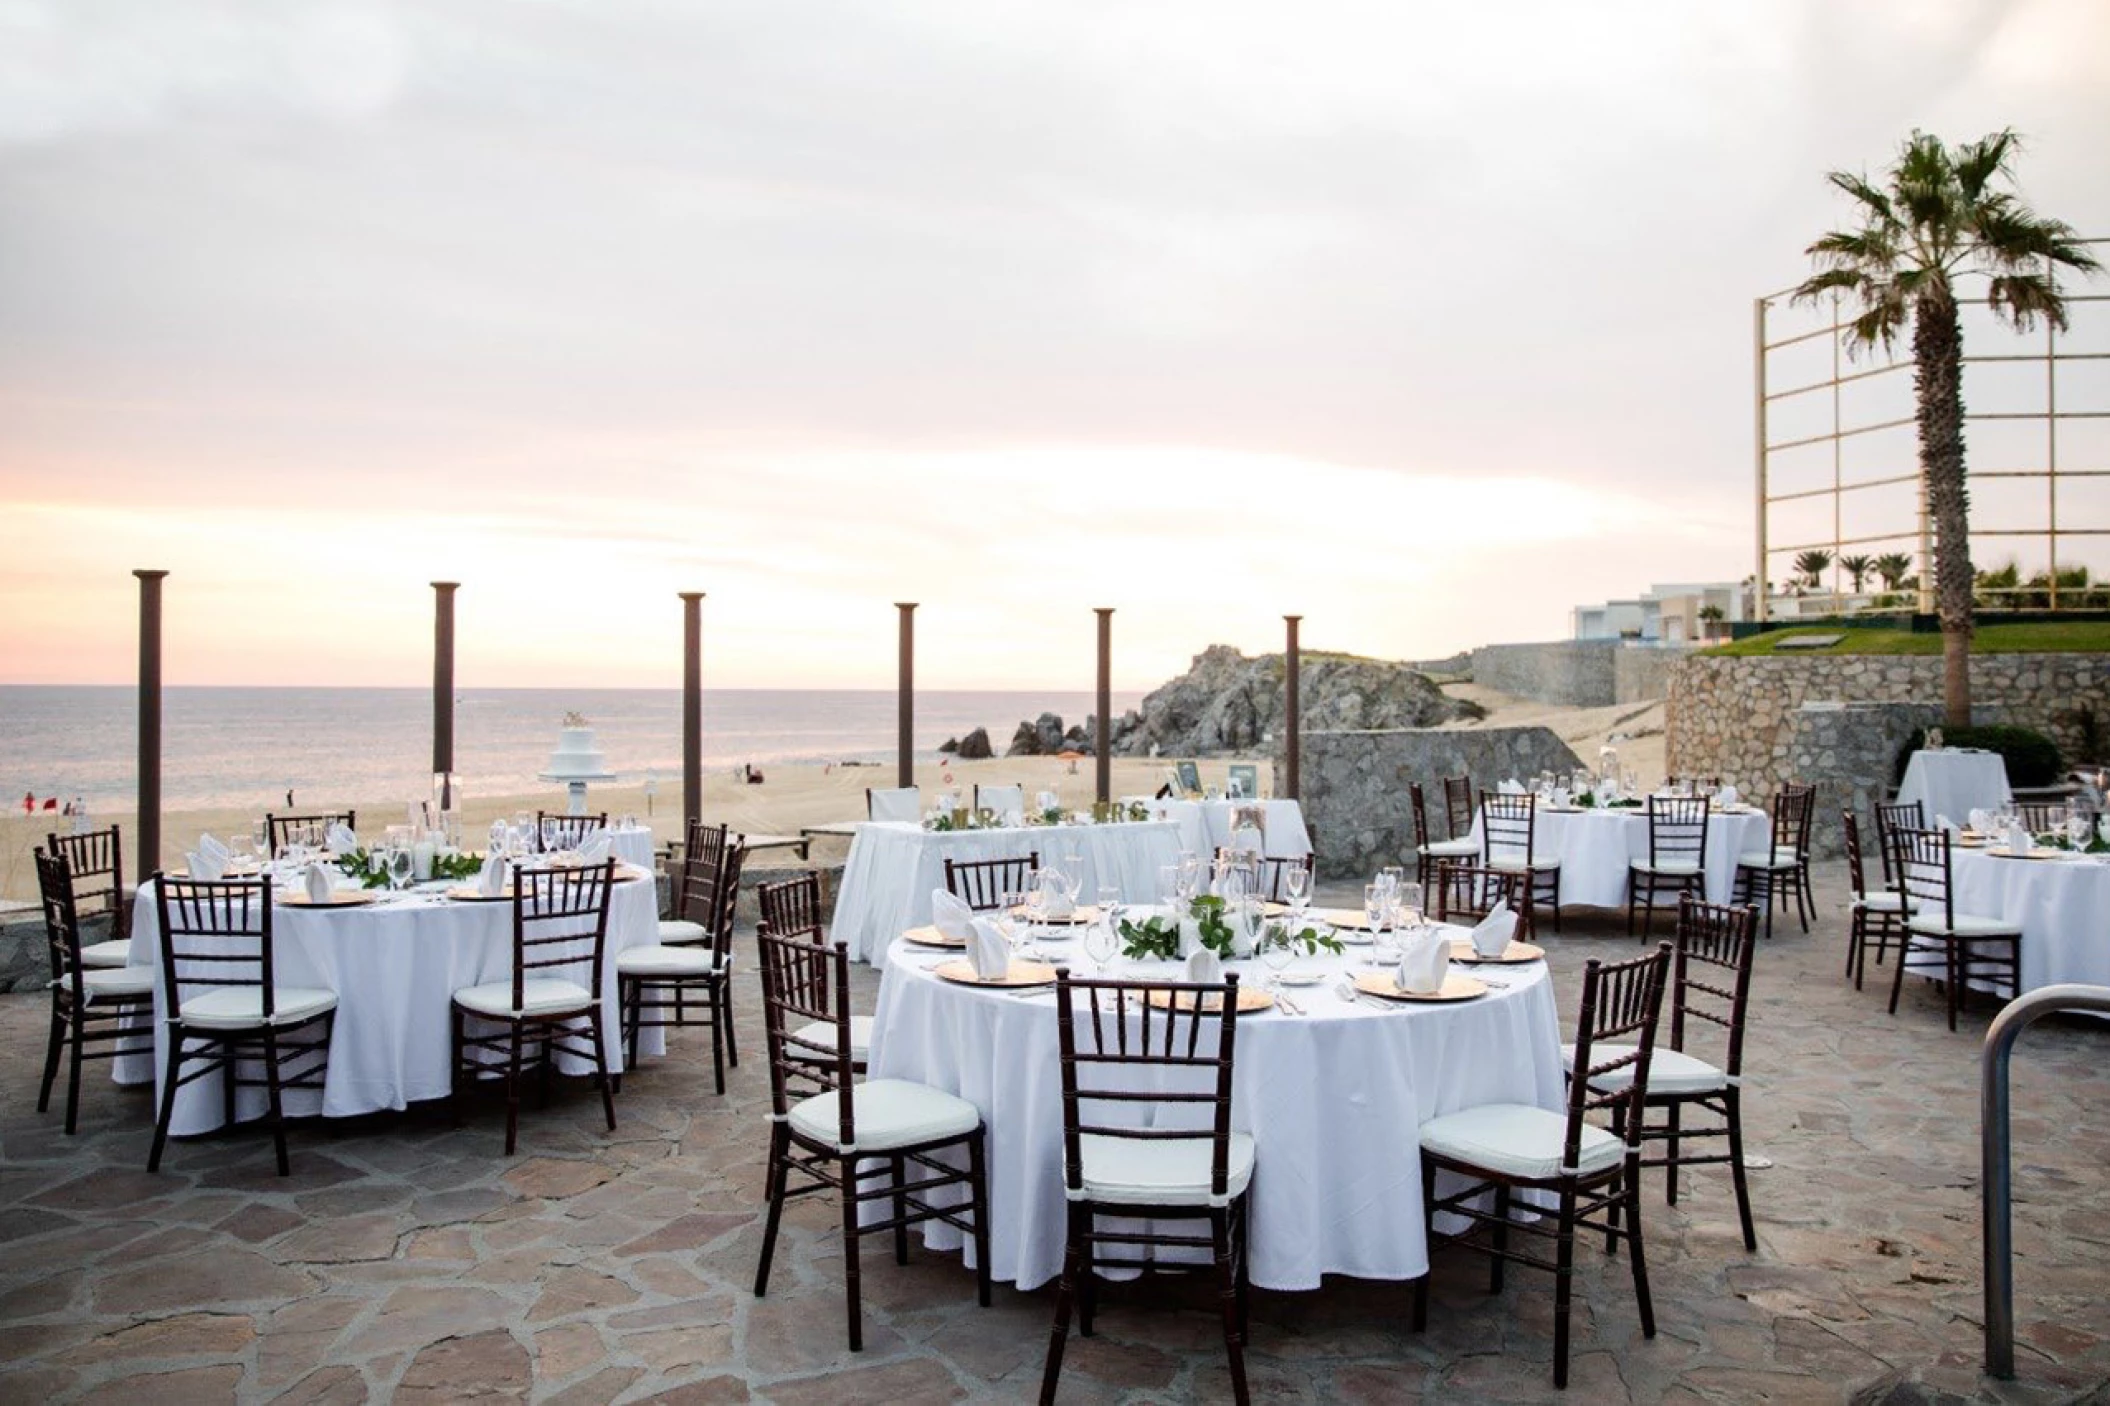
[1293, 978]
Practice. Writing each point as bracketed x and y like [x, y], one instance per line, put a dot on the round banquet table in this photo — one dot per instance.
[2061, 905]
[633, 844]
[894, 866]
[1595, 846]
[1333, 1099]
[1205, 826]
[395, 968]
[1954, 782]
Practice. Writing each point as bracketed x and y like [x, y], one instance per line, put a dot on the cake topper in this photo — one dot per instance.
[575, 718]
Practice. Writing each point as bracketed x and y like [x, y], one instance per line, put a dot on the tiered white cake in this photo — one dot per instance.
[576, 757]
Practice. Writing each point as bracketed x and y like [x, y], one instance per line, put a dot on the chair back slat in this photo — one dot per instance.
[1508, 826]
[95, 860]
[1677, 830]
[1921, 860]
[1169, 1046]
[1419, 805]
[1620, 1005]
[1465, 890]
[62, 925]
[310, 830]
[792, 907]
[1891, 815]
[2040, 817]
[1855, 874]
[1712, 975]
[560, 922]
[803, 983]
[1458, 805]
[982, 883]
[554, 833]
[1792, 809]
[214, 932]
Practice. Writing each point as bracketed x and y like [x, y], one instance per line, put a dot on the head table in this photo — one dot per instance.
[1205, 825]
[895, 865]
[1333, 1098]
[395, 966]
[1594, 847]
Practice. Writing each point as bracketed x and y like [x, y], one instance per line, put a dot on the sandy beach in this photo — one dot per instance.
[792, 796]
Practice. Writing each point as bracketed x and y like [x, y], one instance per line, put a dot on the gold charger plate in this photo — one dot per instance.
[931, 937]
[961, 973]
[343, 898]
[1515, 954]
[1385, 985]
[1341, 918]
[1250, 998]
[470, 893]
[1084, 915]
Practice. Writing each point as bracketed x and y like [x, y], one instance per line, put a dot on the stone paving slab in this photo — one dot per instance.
[407, 1259]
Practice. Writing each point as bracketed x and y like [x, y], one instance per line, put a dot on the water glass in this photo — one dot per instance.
[1277, 951]
[1410, 903]
[1296, 884]
[1102, 939]
[400, 867]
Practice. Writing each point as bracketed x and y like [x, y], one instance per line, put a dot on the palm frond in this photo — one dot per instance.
[1834, 280]
[2024, 297]
[1859, 188]
[1978, 163]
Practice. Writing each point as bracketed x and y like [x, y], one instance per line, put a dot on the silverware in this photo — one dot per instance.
[1347, 992]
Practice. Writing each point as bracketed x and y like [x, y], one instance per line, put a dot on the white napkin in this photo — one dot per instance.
[951, 916]
[2020, 840]
[1943, 822]
[988, 951]
[491, 880]
[220, 854]
[205, 866]
[1492, 934]
[1979, 820]
[1425, 962]
[1204, 967]
[340, 839]
[318, 884]
[595, 847]
[1728, 795]
[1511, 787]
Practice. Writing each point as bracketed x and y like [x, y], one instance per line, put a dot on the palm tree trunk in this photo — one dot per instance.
[1937, 380]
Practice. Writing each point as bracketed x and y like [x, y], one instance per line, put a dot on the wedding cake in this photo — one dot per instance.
[576, 756]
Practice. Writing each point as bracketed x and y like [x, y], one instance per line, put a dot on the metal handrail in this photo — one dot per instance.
[1996, 1157]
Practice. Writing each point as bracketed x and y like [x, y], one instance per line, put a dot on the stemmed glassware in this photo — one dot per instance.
[1102, 939]
[401, 867]
[1296, 885]
[1009, 906]
[1277, 950]
[1377, 910]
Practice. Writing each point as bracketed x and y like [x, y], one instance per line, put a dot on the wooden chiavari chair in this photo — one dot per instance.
[1952, 947]
[310, 830]
[657, 986]
[1677, 856]
[1783, 868]
[982, 883]
[1508, 842]
[1878, 915]
[1462, 890]
[561, 832]
[95, 859]
[1428, 850]
[96, 1012]
[792, 909]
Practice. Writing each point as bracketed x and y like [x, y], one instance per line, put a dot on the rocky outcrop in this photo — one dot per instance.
[974, 747]
[1045, 736]
[1227, 703]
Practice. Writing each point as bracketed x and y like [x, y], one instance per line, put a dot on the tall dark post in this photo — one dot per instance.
[1293, 668]
[147, 828]
[905, 740]
[691, 705]
[1103, 765]
[443, 687]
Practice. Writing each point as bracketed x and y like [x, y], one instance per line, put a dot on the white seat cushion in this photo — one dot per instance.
[1669, 1071]
[1514, 864]
[890, 1113]
[540, 995]
[680, 930]
[821, 1032]
[1966, 926]
[666, 961]
[1670, 868]
[1881, 903]
[236, 1007]
[1453, 849]
[1782, 858]
[116, 982]
[1516, 1140]
[117, 952]
[1148, 1172]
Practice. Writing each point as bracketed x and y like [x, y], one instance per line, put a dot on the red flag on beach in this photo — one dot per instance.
[51, 803]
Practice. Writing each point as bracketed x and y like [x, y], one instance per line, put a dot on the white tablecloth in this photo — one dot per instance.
[893, 867]
[1595, 846]
[1954, 783]
[1333, 1099]
[395, 970]
[1205, 826]
[2061, 905]
[633, 844]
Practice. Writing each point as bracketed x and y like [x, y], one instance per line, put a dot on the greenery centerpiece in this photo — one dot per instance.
[370, 867]
[1157, 938]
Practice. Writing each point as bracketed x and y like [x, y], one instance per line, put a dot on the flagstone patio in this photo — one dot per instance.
[407, 1258]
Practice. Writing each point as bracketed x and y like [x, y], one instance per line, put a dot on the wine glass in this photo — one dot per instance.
[1277, 950]
[1296, 885]
[1392, 876]
[1110, 903]
[1168, 885]
[1410, 904]
[1377, 905]
[1011, 906]
[1102, 939]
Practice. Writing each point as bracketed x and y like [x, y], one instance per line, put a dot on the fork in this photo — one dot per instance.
[1348, 993]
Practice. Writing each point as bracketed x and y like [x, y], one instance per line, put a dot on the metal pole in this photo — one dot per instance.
[1838, 468]
[691, 706]
[148, 824]
[1103, 764]
[443, 688]
[1996, 1167]
[905, 703]
[1292, 717]
[2051, 452]
[1758, 449]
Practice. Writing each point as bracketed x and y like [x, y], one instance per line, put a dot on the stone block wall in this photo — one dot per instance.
[1355, 784]
[1571, 673]
[1643, 675]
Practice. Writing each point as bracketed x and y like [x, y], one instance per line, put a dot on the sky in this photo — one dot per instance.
[1425, 322]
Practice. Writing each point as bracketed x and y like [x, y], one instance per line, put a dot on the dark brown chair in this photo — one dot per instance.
[1895, 815]
[1270, 871]
[1508, 842]
[561, 832]
[2041, 817]
[1594, 1173]
[1130, 1156]
[1677, 857]
[223, 1007]
[1462, 891]
[1458, 806]
[696, 884]
[96, 1012]
[1953, 948]
[1878, 915]
[95, 859]
[671, 985]
[1783, 868]
[982, 883]
[792, 909]
[1710, 985]
[1428, 850]
[551, 1003]
[310, 830]
[835, 1133]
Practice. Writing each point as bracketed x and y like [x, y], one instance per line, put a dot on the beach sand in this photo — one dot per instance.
[796, 795]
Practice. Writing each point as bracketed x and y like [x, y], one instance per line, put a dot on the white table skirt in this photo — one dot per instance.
[1205, 826]
[2061, 905]
[1333, 1100]
[633, 844]
[395, 970]
[894, 866]
[1955, 783]
[1594, 848]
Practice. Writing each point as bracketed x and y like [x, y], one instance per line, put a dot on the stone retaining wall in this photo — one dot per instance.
[1576, 673]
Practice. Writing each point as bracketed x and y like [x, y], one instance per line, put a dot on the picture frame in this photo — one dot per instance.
[1189, 775]
[1245, 781]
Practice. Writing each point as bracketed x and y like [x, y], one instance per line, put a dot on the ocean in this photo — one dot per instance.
[248, 746]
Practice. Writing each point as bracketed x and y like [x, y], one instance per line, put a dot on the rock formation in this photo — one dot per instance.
[974, 747]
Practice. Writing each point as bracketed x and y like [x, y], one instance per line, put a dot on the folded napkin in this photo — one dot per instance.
[1492, 934]
[204, 865]
[491, 879]
[1727, 795]
[951, 916]
[988, 951]
[340, 839]
[595, 847]
[1425, 962]
[1204, 967]
[209, 845]
[318, 884]
[2020, 840]
[1511, 787]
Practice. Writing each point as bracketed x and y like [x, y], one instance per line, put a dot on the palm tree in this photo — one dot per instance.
[1812, 564]
[1892, 567]
[1857, 567]
[1944, 214]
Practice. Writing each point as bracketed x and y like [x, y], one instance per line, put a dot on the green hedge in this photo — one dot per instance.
[2032, 758]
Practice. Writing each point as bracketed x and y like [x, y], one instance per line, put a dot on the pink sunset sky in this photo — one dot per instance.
[1427, 322]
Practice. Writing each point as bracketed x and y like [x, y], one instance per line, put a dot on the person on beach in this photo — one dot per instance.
[29, 803]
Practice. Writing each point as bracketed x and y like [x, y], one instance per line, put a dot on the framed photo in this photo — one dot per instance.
[1190, 777]
[1245, 781]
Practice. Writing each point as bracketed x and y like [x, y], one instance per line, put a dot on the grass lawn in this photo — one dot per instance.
[2073, 637]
